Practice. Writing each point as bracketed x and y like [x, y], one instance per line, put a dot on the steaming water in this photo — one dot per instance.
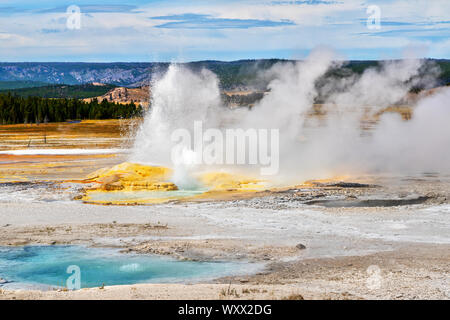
[311, 148]
[179, 98]
[46, 266]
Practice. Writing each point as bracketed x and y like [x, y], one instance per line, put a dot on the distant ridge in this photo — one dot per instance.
[233, 74]
[80, 91]
[11, 85]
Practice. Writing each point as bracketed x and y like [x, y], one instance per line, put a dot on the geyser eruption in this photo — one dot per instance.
[310, 146]
[178, 99]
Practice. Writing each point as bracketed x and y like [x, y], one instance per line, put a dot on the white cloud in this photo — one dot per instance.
[339, 24]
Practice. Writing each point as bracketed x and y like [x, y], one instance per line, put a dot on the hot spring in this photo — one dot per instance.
[46, 267]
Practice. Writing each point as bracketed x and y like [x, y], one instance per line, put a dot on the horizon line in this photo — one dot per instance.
[223, 61]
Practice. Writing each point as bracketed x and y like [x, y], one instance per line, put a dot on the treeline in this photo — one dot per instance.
[242, 100]
[12, 85]
[16, 110]
[81, 91]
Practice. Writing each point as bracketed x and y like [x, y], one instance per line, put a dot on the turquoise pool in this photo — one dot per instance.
[47, 266]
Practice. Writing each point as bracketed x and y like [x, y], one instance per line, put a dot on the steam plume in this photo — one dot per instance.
[313, 147]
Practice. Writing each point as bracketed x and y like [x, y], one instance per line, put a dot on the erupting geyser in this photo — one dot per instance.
[309, 147]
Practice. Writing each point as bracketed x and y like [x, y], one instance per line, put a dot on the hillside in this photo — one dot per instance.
[232, 75]
[76, 73]
[123, 95]
[63, 91]
[11, 85]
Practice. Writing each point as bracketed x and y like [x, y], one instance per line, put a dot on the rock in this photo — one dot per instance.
[441, 200]
[350, 185]
[300, 246]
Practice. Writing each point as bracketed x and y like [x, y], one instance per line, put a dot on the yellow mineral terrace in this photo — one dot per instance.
[132, 177]
[132, 183]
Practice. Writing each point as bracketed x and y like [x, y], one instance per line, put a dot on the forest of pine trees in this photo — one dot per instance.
[17, 110]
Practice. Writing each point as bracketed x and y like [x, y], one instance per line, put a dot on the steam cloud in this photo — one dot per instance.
[313, 147]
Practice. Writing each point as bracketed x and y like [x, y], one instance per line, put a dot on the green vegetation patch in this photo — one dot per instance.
[82, 91]
[17, 110]
[11, 85]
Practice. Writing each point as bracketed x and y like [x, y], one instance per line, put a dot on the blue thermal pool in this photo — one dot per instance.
[46, 267]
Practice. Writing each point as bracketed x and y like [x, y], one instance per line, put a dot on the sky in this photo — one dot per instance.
[179, 30]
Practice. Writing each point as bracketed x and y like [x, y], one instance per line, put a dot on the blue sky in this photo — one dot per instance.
[178, 30]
